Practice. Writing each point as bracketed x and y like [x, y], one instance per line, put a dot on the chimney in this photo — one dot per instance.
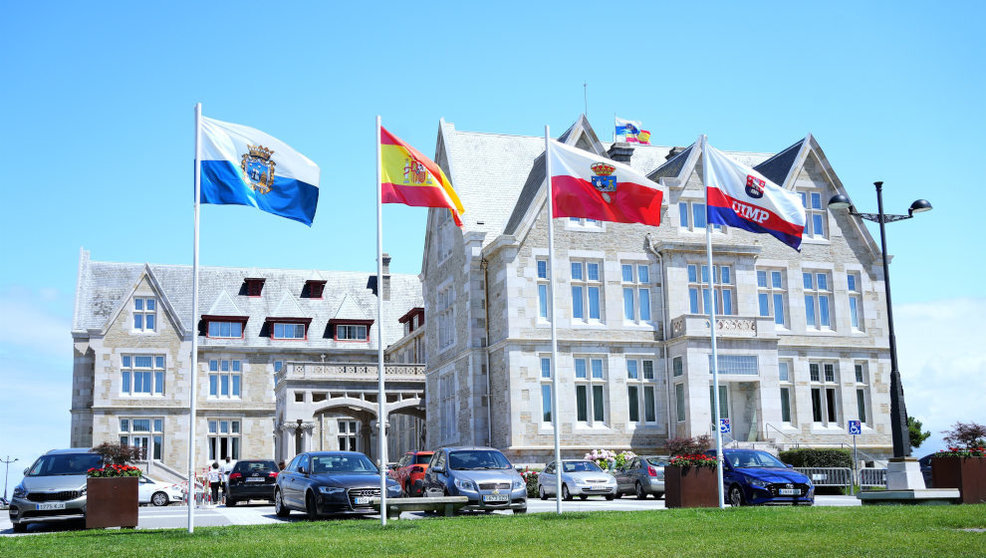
[386, 276]
[674, 151]
[620, 152]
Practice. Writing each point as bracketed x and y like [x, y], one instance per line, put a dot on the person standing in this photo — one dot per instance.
[227, 468]
[215, 477]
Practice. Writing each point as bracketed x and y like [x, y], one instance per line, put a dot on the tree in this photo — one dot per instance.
[966, 435]
[118, 454]
[914, 429]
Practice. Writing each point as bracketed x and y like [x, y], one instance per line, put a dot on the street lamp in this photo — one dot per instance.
[7, 463]
[898, 413]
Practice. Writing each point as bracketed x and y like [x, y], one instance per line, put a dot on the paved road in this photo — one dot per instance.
[176, 517]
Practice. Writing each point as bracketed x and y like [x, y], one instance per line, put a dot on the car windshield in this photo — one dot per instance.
[422, 458]
[356, 463]
[580, 466]
[65, 464]
[477, 459]
[255, 467]
[751, 458]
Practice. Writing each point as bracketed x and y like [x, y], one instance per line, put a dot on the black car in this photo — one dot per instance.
[251, 479]
[330, 482]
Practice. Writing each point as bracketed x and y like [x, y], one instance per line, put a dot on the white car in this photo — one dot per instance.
[150, 491]
[579, 477]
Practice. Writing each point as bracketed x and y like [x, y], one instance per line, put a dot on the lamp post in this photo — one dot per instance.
[898, 413]
[6, 463]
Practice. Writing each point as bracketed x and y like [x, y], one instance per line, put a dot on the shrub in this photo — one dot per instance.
[530, 477]
[817, 457]
[118, 455]
[965, 436]
[688, 446]
[606, 458]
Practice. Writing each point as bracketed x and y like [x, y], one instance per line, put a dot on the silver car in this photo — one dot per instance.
[642, 476]
[53, 489]
[579, 477]
[484, 475]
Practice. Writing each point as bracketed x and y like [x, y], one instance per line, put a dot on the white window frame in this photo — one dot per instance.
[348, 438]
[225, 379]
[823, 377]
[543, 272]
[816, 214]
[228, 325]
[771, 293]
[130, 434]
[446, 401]
[226, 430]
[589, 373]
[352, 332]
[445, 306]
[545, 389]
[642, 378]
[637, 302]
[855, 291]
[698, 289]
[862, 392]
[144, 308]
[680, 402]
[817, 297]
[785, 380]
[583, 285]
[153, 375]
[693, 216]
[444, 243]
[289, 331]
[584, 225]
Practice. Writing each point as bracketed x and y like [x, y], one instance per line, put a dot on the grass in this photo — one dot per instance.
[748, 532]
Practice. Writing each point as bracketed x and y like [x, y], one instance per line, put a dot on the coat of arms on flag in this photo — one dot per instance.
[604, 181]
[258, 168]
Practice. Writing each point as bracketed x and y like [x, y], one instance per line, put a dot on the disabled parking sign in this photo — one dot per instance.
[724, 426]
[855, 428]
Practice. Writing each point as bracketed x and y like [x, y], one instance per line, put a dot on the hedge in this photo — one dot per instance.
[816, 457]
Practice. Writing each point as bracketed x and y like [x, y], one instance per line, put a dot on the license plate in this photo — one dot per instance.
[51, 506]
[258, 479]
[789, 492]
[361, 500]
[495, 498]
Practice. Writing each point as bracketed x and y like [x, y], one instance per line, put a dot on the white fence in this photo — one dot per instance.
[843, 476]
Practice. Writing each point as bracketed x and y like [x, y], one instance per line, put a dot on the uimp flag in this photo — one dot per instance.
[631, 132]
[589, 186]
[410, 178]
[741, 197]
[244, 166]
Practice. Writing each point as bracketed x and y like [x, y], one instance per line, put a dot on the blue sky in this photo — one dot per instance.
[97, 120]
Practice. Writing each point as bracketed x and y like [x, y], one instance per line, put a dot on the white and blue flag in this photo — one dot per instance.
[244, 166]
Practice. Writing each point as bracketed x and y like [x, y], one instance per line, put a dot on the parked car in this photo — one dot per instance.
[150, 491]
[925, 464]
[579, 477]
[251, 479]
[53, 489]
[753, 477]
[330, 482]
[410, 469]
[642, 476]
[484, 475]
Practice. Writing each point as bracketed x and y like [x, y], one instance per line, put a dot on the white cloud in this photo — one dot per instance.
[942, 361]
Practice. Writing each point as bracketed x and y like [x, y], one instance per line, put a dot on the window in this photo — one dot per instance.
[348, 435]
[584, 223]
[145, 314]
[446, 400]
[545, 389]
[254, 286]
[144, 433]
[641, 390]
[736, 364]
[636, 292]
[772, 295]
[289, 331]
[224, 379]
[855, 301]
[351, 332]
[679, 402]
[590, 399]
[787, 387]
[692, 217]
[586, 287]
[824, 392]
[142, 375]
[814, 214]
[227, 330]
[862, 391]
[544, 278]
[446, 317]
[224, 439]
[677, 368]
[278, 366]
[698, 289]
[818, 297]
[723, 402]
[445, 230]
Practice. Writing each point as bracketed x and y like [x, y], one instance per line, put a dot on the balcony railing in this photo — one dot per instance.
[350, 371]
[697, 325]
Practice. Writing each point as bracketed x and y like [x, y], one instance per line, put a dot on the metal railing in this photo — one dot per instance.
[797, 444]
[872, 477]
[827, 476]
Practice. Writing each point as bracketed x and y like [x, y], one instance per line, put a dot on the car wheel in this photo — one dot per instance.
[565, 494]
[610, 496]
[159, 499]
[541, 493]
[310, 508]
[20, 527]
[639, 489]
[659, 495]
[735, 496]
[230, 502]
[583, 497]
[520, 510]
[280, 510]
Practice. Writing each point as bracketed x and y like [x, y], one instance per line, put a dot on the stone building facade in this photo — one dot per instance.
[802, 336]
[287, 361]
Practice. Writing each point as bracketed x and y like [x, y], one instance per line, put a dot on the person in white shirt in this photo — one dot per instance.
[227, 468]
[215, 478]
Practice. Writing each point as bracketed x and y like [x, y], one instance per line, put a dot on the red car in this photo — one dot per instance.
[409, 471]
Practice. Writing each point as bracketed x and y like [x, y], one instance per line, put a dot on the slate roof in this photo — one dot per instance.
[104, 286]
[779, 166]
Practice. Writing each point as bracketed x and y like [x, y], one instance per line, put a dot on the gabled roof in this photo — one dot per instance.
[778, 168]
[349, 310]
[224, 306]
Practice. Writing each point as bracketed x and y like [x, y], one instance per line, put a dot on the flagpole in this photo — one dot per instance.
[712, 327]
[193, 372]
[555, 423]
[381, 411]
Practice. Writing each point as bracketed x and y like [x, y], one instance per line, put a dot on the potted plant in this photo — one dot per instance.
[963, 464]
[690, 478]
[111, 490]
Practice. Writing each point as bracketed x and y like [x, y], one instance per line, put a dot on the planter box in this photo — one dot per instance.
[690, 487]
[968, 474]
[111, 502]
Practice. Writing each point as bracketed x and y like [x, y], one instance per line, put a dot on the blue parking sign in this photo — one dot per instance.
[724, 426]
[855, 428]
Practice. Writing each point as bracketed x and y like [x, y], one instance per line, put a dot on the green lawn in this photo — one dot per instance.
[751, 532]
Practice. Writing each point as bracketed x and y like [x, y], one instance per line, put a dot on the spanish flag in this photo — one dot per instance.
[410, 178]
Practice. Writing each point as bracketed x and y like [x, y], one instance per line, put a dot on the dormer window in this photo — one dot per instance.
[253, 286]
[289, 328]
[225, 327]
[413, 320]
[313, 289]
[351, 330]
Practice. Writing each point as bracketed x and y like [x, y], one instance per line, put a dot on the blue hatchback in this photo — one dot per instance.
[754, 477]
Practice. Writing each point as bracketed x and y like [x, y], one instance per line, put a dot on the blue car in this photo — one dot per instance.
[754, 477]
